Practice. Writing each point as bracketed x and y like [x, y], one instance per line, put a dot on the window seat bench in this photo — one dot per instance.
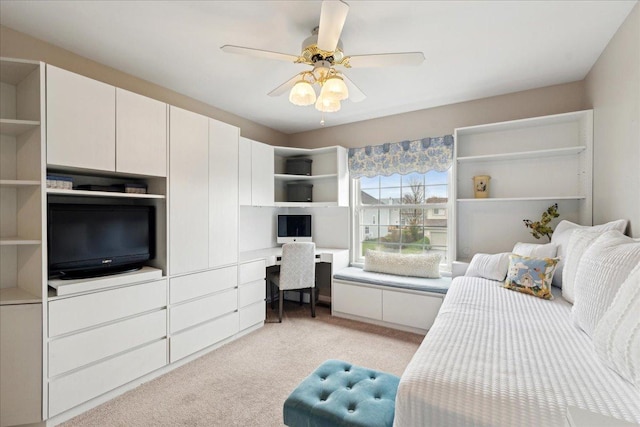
[400, 302]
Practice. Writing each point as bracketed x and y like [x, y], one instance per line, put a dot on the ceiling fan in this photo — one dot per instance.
[323, 51]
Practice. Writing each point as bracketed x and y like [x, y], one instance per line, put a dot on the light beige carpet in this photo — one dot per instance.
[245, 382]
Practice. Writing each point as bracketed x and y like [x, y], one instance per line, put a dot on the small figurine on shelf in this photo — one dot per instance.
[542, 228]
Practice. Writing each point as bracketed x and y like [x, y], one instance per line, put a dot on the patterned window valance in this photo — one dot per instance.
[404, 157]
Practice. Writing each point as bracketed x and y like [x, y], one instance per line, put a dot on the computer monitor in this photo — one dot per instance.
[294, 228]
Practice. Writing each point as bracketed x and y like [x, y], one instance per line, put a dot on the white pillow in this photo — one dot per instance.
[535, 250]
[563, 232]
[617, 335]
[579, 241]
[492, 267]
[602, 269]
[417, 265]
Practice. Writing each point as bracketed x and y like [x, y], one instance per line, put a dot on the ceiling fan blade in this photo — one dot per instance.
[386, 59]
[355, 94]
[285, 87]
[258, 53]
[332, 17]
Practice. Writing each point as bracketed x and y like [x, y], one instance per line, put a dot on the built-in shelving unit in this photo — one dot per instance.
[532, 163]
[329, 176]
[86, 193]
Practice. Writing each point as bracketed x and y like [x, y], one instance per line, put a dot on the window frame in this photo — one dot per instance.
[355, 207]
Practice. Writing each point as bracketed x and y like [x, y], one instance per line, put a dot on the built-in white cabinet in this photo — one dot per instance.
[223, 193]
[201, 306]
[533, 163]
[251, 293]
[102, 340]
[329, 176]
[256, 173]
[141, 134]
[95, 126]
[81, 121]
[189, 191]
[20, 364]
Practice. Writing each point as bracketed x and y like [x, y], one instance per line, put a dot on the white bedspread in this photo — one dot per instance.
[496, 357]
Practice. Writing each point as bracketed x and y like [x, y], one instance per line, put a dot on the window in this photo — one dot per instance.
[401, 213]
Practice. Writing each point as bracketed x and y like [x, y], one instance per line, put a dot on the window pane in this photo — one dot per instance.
[435, 218]
[435, 177]
[389, 234]
[413, 234]
[411, 217]
[414, 249]
[369, 217]
[370, 196]
[369, 182]
[436, 191]
[413, 194]
[389, 216]
[394, 180]
[390, 196]
[413, 179]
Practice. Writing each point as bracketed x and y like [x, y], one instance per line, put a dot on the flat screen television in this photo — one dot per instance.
[87, 240]
[294, 228]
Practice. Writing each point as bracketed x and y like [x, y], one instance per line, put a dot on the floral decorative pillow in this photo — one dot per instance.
[531, 275]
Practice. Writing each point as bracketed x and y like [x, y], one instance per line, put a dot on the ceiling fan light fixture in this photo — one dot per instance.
[302, 94]
[327, 105]
[335, 88]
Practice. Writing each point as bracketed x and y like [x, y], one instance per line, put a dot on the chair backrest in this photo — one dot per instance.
[298, 266]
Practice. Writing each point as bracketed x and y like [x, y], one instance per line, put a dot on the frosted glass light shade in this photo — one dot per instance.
[302, 94]
[335, 88]
[327, 105]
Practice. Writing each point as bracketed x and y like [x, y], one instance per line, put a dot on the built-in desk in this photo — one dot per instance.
[333, 259]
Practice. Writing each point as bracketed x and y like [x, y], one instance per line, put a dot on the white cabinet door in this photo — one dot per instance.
[141, 134]
[81, 121]
[244, 172]
[20, 364]
[188, 191]
[262, 170]
[223, 193]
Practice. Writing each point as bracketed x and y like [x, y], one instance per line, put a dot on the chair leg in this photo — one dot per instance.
[273, 301]
[313, 302]
[280, 301]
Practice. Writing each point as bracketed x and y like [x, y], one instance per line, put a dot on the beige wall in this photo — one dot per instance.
[443, 120]
[613, 89]
[14, 44]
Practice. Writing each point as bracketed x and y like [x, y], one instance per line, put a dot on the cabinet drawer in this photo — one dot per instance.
[201, 310]
[252, 271]
[252, 315]
[357, 300]
[199, 284]
[195, 339]
[86, 347]
[83, 385]
[251, 292]
[75, 313]
[418, 311]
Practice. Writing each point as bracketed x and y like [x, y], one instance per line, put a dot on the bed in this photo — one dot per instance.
[495, 357]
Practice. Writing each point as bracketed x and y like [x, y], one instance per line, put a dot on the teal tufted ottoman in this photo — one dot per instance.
[341, 394]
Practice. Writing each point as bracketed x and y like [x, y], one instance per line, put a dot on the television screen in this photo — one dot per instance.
[94, 240]
[294, 228]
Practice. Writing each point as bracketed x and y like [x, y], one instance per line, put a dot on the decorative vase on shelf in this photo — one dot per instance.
[481, 186]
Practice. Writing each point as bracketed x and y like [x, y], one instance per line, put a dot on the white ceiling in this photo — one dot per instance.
[473, 49]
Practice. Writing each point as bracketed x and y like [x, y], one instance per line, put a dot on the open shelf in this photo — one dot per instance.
[520, 199]
[15, 240]
[9, 296]
[568, 151]
[16, 127]
[13, 183]
[291, 177]
[85, 193]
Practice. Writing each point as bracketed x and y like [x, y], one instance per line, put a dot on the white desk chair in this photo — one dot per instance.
[297, 272]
